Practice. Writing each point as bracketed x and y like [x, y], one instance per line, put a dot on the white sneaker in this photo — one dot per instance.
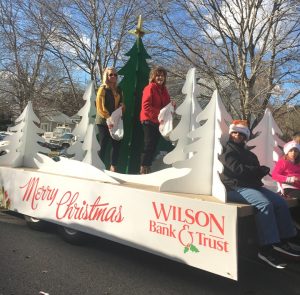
[285, 248]
[294, 246]
[271, 257]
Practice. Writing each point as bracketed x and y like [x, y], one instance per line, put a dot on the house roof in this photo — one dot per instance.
[57, 117]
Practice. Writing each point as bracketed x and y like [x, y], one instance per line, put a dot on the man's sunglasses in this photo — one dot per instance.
[113, 75]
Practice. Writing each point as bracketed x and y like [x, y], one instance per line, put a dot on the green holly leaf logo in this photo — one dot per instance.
[194, 248]
[186, 249]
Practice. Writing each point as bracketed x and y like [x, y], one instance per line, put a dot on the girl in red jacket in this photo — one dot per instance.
[287, 170]
[155, 97]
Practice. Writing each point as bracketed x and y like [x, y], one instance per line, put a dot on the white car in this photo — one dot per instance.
[4, 141]
[64, 141]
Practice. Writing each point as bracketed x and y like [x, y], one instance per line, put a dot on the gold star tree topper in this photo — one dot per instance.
[139, 32]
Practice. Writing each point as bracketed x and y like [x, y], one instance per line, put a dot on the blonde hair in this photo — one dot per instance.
[155, 71]
[105, 74]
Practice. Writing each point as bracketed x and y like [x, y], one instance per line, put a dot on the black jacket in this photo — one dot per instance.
[241, 167]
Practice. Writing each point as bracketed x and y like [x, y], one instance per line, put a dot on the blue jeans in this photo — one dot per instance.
[273, 219]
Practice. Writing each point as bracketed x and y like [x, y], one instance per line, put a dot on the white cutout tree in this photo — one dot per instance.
[91, 146]
[188, 110]
[223, 120]
[86, 147]
[205, 165]
[87, 114]
[267, 144]
[73, 168]
[23, 145]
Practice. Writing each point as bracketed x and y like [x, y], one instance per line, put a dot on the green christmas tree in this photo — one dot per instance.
[135, 77]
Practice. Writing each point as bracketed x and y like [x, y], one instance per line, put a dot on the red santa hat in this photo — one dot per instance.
[240, 126]
[291, 145]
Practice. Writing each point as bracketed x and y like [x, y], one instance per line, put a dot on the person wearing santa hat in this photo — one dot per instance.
[242, 177]
[287, 170]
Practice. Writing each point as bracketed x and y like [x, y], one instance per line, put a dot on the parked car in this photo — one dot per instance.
[60, 138]
[58, 132]
[64, 141]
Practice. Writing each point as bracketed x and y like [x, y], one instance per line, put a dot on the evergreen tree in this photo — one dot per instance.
[86, 148]
[267, 144]
[188, 111]
[87, 116]
[205, 166]
[88, 112]
[23, 147]
[91, 148]
[135, 77]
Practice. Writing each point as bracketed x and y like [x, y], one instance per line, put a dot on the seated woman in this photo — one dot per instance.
[287, 170]
[242, 178]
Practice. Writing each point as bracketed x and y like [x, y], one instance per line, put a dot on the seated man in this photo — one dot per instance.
[242, 178]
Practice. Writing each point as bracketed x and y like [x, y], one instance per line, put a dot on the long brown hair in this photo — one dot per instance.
[297, 160]
[155, 71]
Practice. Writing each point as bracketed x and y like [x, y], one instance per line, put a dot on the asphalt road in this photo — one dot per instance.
[33, 263]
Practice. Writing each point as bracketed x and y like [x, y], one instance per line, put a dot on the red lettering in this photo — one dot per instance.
[69, 208]
[161, 211]
[65, 205]
[31, 186]
[189, 216]
[35, 193]
[202, 221]
[214, 221]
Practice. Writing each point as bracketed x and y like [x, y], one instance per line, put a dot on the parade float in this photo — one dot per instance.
[179, 212]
